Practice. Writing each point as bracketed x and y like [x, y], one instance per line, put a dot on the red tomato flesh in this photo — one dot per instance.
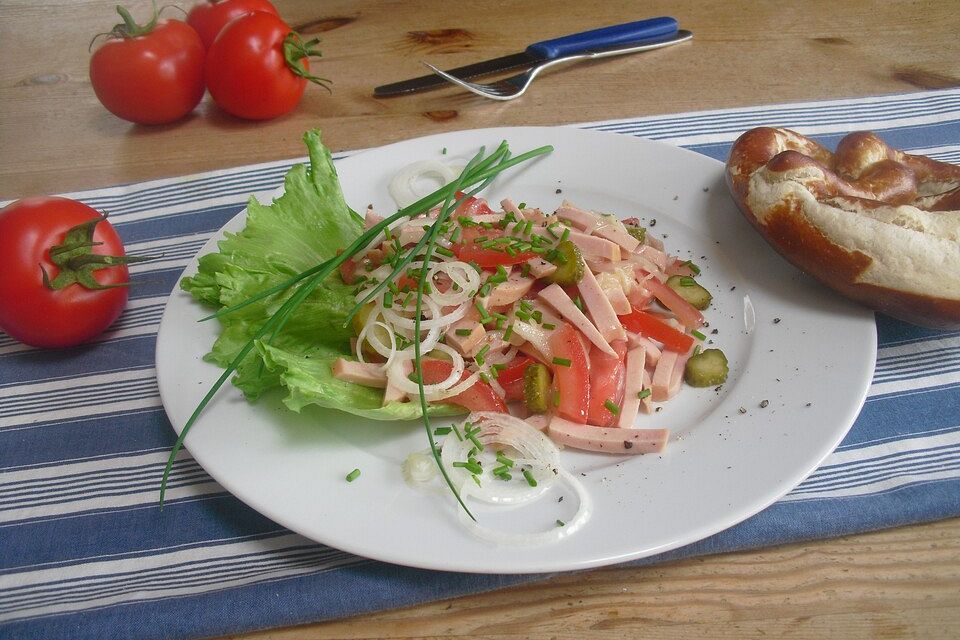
[571, 382]
[468, 250]
[511, 378]
[606, 383]
[650, 326]
[479, 397]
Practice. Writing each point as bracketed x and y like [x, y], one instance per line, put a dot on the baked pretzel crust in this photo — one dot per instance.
[876, 224]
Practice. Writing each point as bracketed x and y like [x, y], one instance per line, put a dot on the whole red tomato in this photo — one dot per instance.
[43, 304]
[210, 17]
[151, 74]
[257, 68]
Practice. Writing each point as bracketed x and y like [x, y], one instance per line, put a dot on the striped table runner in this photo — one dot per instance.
[85, 553]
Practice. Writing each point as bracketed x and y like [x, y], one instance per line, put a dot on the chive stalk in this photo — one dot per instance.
[477, 172]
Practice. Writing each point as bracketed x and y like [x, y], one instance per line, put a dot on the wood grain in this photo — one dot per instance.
[55, 137]
[902, 583]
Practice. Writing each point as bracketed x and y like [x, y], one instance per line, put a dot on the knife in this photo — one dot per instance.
[621, 34]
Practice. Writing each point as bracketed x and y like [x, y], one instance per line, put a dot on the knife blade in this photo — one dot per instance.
[621, 34]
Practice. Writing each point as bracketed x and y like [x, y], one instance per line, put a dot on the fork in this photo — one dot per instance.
[515, 86]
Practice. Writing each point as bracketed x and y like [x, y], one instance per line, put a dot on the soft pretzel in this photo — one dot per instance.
[878, 225]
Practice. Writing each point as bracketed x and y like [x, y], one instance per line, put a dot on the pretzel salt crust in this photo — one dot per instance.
[878, 225]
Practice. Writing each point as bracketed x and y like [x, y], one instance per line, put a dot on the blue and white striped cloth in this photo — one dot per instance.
[85, 553]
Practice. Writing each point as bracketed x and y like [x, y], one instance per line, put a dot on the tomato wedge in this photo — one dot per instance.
[472, 206]
[651, 326]
[572, 381]
[479, 397]
[511, 378]
[606, 383]
[469, 250]
[688, 315]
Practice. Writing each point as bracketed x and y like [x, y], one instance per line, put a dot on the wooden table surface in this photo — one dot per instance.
[55, 137]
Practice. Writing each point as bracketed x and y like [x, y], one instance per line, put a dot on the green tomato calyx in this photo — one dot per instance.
[295, 50]
[77, 262]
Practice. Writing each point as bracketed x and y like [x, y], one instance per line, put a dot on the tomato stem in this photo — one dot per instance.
[130, 28]
[295, 50]
[77, 262]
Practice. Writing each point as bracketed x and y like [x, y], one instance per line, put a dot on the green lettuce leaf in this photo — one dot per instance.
[304, 227]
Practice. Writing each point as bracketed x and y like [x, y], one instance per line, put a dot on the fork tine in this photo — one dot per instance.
[493, 91]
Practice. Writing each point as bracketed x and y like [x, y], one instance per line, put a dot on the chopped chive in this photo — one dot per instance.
[692, 267]
[522, 205]
[565, 236]
[687, 281]
[549, 326]
[456, 234]
[561, 523]
[563, 362]
[611, 407]
[525, 269]
[483, 351]
[643, 394]
[388, 300]
[471, 465]
[504, 460]
[577, 301]
[508, 333]
[442, 431]
[476, 479]
[696, 350]
[484, 316]
[529, 477]
[472, 437]
[485, 378]
[523, 315]
[485, 289]
[456, 432]
[353, 475]
[699, 336]
[463, 332]
[443, 151]
[444, 251]
[537, 316]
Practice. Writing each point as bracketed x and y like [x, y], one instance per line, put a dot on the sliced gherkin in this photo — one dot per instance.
[570, 264]
[690, 290]
[706, 369]
[536, 388]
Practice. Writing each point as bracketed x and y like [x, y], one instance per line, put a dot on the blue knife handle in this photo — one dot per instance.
[627, 33]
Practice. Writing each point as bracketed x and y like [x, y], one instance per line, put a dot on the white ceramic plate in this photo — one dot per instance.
[801, 360]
